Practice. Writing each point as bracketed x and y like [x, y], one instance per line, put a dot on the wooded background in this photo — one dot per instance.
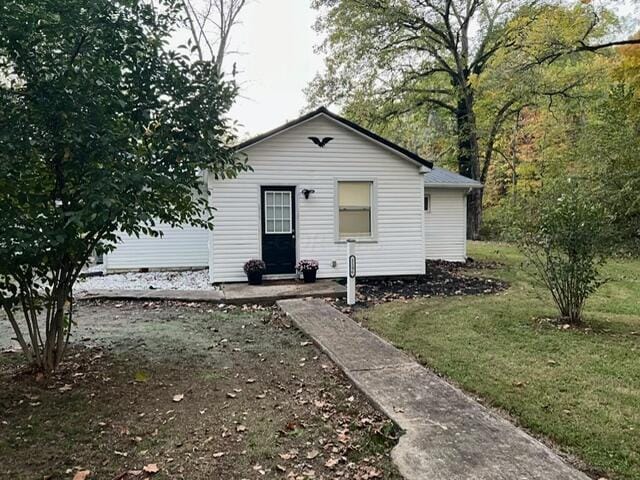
[512, 93]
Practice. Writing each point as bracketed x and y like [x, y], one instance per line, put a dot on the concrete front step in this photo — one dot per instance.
[234, 294]
[448, 435]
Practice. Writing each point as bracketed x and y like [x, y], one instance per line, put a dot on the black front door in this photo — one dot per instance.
[279, 229]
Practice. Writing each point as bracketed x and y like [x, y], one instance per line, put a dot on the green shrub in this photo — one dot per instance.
[566, 234]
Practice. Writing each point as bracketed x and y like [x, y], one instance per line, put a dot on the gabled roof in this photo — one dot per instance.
[441, 178]
[349, 124]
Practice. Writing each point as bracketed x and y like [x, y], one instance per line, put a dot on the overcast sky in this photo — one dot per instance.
[277, 40]
[277, 61]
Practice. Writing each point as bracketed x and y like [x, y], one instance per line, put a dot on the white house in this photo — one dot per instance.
[316, 182]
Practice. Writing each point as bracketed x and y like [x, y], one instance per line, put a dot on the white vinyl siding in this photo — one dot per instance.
[186, 247]
[445, 225]
[291, 159]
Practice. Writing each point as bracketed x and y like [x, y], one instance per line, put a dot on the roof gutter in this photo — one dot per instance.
[461, 186]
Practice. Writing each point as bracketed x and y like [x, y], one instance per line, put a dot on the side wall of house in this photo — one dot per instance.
[185, 247]
[445, 223]
[291, 159]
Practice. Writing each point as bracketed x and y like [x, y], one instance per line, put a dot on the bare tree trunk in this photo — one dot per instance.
[469, 161]
[474, 213]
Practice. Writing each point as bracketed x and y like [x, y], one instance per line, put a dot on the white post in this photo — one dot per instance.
[351, 272]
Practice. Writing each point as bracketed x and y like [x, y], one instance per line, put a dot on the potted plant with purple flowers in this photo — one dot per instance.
[254, 269]
[308, 269]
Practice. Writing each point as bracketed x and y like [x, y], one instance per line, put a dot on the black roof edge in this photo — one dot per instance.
[344, 121]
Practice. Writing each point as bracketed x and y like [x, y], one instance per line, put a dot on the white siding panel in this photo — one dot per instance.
[291, 159]
[179, 248]
[445, 225]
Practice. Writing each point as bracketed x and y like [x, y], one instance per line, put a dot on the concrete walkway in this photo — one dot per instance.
[234, 293]
[448, 435]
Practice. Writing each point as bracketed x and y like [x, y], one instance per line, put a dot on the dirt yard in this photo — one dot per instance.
[196, 393]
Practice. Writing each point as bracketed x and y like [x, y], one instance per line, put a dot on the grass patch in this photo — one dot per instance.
[579, 387]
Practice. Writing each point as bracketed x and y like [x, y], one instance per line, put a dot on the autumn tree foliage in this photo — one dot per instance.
[591, 133]
[465, 68]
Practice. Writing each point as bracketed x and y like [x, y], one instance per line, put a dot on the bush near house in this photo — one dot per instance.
[566, 235]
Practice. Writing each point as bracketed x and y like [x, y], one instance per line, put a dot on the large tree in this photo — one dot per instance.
[103, 129]
[420, 56]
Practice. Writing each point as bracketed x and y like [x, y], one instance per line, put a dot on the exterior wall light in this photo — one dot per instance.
[306, 192]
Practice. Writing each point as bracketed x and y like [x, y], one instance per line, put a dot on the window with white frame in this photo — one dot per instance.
[427, 202]
[277, 205]
[355, 212]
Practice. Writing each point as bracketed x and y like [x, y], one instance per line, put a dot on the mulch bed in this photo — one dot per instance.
[442, 279]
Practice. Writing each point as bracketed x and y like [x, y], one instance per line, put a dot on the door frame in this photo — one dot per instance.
[262, 227]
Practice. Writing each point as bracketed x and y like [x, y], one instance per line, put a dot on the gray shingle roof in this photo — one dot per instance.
[441, 178]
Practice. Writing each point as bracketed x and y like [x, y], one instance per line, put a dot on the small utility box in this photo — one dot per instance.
[352, 271]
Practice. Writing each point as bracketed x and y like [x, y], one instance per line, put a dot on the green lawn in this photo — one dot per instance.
[578, 387]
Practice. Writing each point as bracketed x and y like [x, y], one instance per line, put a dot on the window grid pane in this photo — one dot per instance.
[278, 212]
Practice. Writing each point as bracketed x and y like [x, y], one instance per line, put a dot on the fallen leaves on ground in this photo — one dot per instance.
[332, 462]
[82, 475]
[312, 454]
[151, 468]
[286, 395]
[290, 455]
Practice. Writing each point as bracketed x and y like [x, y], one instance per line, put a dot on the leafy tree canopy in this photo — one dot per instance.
[103, 129]
[459, 71]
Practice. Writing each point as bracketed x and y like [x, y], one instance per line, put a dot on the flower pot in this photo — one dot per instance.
[255, 278]
[309, 276]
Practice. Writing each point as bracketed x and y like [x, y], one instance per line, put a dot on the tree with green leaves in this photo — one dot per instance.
[609, 143]
[566, 236]
[390, 59]
[593, 133]
[103, 129]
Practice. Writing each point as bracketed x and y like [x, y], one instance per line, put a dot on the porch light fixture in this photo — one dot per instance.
[306, 192]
